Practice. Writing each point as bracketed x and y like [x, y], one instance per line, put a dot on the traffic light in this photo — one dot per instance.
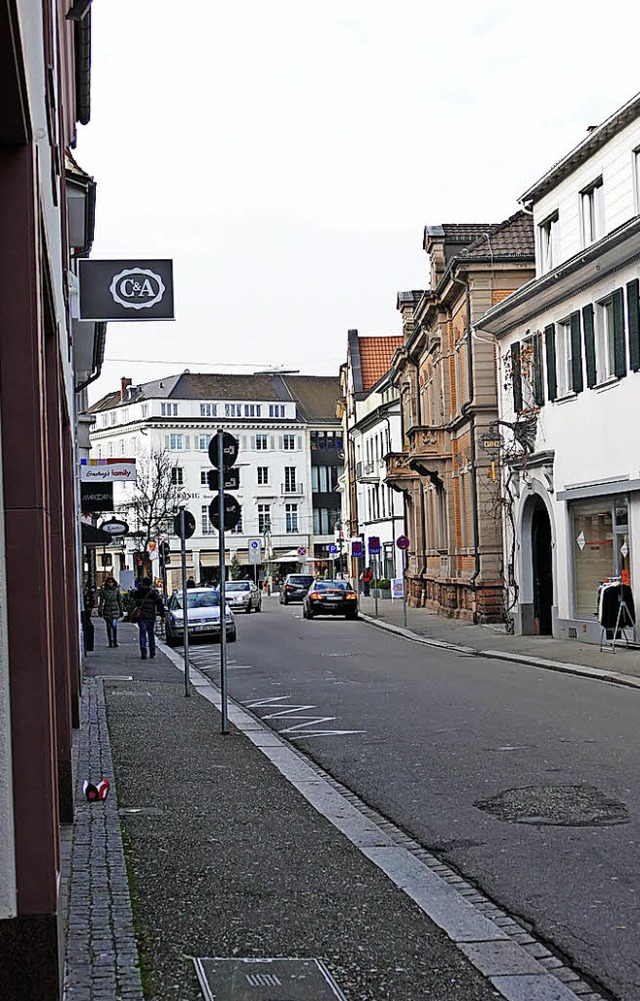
[164, 551]
[222, 478]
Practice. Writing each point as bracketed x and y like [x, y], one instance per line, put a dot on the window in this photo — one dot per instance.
[169, 409]
[175, 442]
[176, 476]
[548, 233]
[110, 449]
[122, 445]
[636, 179]
[289, 479]
[204, 482]
[288, 442]
[252, 409]
[263, 476]
[276, 410]
[563, 358]
[592, 212]
[291, 515]
[203, 442]
[114, 417]
[600, 532]
[604, 340]
[99, 451]
[208, 410]
[262, 442]
[264, 518]
[104, 420]
[125, 415]
[206, 526]
[233, 410]
[324, 479]
[237, 529]
[324, 520]
[145, 410]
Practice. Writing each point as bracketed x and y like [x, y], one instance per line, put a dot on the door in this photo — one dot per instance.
[542, 560]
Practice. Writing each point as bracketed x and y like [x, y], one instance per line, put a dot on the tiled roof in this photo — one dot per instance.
[316, 396]
[375, 358]
[464, 232]
[512, 238]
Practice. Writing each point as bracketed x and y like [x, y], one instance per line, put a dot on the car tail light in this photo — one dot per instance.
[315, 597]
[351, 597]
[288, 587]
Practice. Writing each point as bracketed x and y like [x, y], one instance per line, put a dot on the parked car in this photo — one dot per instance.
[330, 597]
[295, 587]
[243, 595]
[204, 616]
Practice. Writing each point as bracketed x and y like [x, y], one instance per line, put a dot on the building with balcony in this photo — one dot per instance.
[288, 461]
[445, 373]
[569, 349]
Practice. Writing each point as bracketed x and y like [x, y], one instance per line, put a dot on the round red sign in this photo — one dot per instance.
[402, 542]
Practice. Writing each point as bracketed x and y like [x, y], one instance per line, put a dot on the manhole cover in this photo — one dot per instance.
[564, 806]
[266, 980]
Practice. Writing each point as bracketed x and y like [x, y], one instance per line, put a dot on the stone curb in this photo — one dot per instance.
[581, 670]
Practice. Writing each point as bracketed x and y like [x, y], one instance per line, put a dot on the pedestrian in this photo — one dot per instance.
[148, 604]
[110, 608]
[191, 582]
[366, 576]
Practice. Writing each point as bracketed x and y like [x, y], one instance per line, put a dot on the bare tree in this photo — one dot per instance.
[155, 496]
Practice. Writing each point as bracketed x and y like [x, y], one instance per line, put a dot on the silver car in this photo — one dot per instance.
[204, 616]
[242, 595]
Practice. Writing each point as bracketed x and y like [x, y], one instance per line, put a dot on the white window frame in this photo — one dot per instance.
[548, 242]
[144, 410]
[176, 443]
[252, 410]
[291, 518]
[204, 470]
[205, 521]
[276, 410]
[564, 372]
[262, 443]
[177, 476]
[289, 442]
[233, 410]
[290, 479]
[604, 340]
[208, 409]
[168, 409]
[262, 476]
[264, 517]
[592, 212]
[203, 442]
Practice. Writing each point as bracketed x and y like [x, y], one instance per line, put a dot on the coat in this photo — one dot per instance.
[149, 601]
[110, 604]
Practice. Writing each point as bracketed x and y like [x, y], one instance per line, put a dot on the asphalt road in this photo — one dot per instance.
[524, 779]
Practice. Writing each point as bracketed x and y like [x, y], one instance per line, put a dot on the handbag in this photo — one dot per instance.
[135, 614]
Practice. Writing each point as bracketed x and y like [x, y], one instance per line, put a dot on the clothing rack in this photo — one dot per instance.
[616, 612]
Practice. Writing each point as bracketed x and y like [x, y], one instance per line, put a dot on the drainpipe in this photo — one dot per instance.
[465, 410]
[423, 521]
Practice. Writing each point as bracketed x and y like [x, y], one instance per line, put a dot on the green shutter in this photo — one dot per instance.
[550, 346]
[589, 345]
[538, 393]
[576, 353]
[633, 312]
[619, 352]
[516, 377]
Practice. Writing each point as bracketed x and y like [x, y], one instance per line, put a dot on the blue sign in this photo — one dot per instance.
[374, 545]
[356, 549]
[332, 548]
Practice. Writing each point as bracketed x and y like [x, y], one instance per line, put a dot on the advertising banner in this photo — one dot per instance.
[107, 470]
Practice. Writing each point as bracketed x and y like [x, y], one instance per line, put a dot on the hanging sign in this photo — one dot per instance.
[107, 470]
[125, 290]
[96, 496]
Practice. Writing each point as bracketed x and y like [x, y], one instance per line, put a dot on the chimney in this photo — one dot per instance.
[124, 384]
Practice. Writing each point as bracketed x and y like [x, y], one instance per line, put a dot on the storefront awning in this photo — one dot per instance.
[92, 536]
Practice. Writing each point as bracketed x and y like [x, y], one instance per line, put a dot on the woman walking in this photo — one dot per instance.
[110, 608]
[148, 604]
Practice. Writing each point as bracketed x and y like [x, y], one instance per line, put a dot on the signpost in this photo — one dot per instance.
[332, 549]
[402, 542]
[255, 557]
[374, 550]
[224, 512]
[184, 525]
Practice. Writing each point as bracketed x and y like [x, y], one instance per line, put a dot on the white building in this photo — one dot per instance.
[371, 421]
[285, 425]
[569, 347]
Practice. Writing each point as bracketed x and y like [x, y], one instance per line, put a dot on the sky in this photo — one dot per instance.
[287, 156]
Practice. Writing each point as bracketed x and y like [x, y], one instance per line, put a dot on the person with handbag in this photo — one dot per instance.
[110, 608]
[147, 603]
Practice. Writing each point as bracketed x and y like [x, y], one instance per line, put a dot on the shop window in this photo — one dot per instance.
[601, 549]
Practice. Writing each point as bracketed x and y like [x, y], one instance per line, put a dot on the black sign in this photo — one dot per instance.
[232, 512]
[491, 443]
[231, 479]
[125, 290]
[96, 496]
[230, 449]
[189, 525]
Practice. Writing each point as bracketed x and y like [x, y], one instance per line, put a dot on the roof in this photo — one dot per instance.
[512, 238]
[595, 140]
[316, 396]
[375, 358]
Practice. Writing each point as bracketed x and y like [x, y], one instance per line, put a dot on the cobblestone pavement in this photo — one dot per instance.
[101, 961]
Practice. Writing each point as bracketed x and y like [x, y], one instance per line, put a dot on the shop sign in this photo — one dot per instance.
[107, 470]
[96, 496]
[126, 290]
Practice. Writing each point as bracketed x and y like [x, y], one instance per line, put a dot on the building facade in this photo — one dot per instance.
[288, 463]
[569, 347]
[445, 373]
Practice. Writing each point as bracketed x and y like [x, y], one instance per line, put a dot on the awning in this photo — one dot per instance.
[92, 536]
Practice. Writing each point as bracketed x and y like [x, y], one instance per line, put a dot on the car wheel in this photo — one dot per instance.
[232, 637]
[248, 609]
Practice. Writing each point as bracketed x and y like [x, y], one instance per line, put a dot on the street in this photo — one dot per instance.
[520, 778]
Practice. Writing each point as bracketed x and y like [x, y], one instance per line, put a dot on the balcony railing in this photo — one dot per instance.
[366, 472]
[428, 441]
[292, 489]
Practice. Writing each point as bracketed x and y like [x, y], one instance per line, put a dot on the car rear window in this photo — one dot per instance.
[294, 579]
[238, 585]
[199, 599]
[333, 585]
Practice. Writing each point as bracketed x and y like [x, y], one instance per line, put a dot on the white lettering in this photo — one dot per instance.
[131, 284]
[146, 289]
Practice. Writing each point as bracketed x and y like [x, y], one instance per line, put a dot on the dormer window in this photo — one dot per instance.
[548, 233]
[592, 212]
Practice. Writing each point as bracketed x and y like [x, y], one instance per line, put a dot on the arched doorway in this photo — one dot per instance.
[542, 567]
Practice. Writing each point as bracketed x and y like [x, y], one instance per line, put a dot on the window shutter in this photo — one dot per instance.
[273, 443]
[243, 442]
[280, 443]
[576, 353]
[299, 443]
[253, 443]
[167, 440]
[187, 441]
[516, 377]
[619, 352]
[633, 312]
[538, 392]
[550, 348]
[589, 345]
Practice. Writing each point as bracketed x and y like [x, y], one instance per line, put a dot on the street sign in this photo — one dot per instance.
[491, 443]
[356, 550]
[232, 512]
[115, 527]
[402, 542]
[96, 496]
[230, 448]
[302, 551]
[332, 548]
[255, 551]
[125, 290]
[231, 479]
[189, 525]
[374, 545]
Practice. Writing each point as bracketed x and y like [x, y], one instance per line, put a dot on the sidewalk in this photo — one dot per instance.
[236, 846]
[574, 656]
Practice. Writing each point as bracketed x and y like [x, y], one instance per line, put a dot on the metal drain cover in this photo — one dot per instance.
[266, 980]
[562, 806]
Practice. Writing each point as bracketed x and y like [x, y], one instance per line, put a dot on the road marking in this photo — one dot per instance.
[294, 712]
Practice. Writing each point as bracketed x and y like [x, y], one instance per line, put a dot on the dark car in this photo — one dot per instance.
[295, 587]
[330, 597]
[204, 616]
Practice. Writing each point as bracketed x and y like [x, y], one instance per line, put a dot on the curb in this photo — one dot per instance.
[581, 670]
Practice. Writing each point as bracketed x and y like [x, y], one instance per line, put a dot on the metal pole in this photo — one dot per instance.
[185, 603]
[223, 616]
[404, 587]
[375, 584]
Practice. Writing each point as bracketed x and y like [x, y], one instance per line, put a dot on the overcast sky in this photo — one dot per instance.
[288, 155]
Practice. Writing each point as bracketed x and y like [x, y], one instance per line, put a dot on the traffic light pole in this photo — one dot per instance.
[185, 602]
[221, 561]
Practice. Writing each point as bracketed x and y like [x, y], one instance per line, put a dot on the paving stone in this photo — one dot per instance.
[500, 958]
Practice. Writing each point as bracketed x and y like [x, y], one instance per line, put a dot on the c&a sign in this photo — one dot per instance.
[126, 290]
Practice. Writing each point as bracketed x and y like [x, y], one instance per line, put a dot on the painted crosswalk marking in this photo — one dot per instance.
[304, 725]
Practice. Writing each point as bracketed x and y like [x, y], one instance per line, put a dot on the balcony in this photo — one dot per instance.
[366, 472]
[292, 489]
[399, 475]
[428, 442]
